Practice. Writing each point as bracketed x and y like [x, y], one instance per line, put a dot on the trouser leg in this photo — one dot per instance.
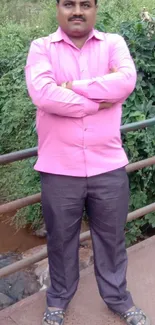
[107, 206]
[63, 201]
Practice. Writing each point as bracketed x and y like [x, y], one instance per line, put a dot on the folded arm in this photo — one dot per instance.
[112, 87]
[45, 93]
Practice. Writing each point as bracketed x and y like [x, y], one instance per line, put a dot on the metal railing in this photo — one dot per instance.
[32, 152]
[33, 199]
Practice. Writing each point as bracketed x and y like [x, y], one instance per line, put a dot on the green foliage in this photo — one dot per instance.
[140, 37]
[20, 22]
[21, 180]
[120, 11]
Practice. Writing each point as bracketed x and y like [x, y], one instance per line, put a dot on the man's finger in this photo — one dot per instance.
[107, 105]
[113, 70]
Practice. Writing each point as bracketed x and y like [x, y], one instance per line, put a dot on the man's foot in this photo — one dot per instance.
[135, 316]
[53, 316]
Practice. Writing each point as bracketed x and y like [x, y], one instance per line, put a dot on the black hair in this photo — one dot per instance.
[95, 1]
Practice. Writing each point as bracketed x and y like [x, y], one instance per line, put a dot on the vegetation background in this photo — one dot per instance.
[22, 21]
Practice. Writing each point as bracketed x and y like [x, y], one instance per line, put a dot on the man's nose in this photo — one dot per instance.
[77, 10]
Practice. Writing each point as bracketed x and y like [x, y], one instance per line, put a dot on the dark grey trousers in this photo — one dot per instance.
[106, 198]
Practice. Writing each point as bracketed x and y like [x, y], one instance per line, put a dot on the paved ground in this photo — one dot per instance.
[87, 307]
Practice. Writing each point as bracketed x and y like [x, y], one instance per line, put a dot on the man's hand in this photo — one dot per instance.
[103, 105]
[67, 85]
[113, 70]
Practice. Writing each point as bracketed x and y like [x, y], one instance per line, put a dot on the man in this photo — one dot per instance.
[79, 78]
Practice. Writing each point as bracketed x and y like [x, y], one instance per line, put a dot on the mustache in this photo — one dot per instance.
[77, 18]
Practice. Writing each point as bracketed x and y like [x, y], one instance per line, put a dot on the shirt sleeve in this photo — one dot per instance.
[112, 87]
[45, 93]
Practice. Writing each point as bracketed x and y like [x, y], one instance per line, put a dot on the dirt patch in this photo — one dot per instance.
[23, 239]
[17, 241]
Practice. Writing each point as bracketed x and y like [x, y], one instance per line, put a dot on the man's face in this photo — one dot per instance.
[76, 17]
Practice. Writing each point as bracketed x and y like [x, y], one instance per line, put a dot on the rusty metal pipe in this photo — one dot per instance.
[137, 125]
[141, 212]
[31, 152]
[5, 271]
[140, 164]
[18, 155]
[20, 203]
[32, 199]
[14, 267]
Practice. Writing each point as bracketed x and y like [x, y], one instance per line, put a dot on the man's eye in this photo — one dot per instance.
[86, 5]
[68, 5]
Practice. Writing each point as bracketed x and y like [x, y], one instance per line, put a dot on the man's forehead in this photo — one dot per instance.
[78, 1]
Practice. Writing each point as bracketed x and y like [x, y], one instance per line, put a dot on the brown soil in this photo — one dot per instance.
[12, 240]
[22, 240]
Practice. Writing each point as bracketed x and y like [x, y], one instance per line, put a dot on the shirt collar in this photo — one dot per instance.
[98, 35]
[59, 35]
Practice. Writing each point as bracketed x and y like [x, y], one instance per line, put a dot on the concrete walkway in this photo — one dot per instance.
[87, 307]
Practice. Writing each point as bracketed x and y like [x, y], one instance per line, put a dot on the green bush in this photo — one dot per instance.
[21, 22]
[140, 36]
[17, 114]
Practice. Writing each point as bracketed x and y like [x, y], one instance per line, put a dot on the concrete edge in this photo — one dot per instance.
[6, 313]
[141, 245]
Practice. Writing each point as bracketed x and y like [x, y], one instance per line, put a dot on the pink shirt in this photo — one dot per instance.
[74, 137]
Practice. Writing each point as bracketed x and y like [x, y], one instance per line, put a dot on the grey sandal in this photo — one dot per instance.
[135, 317]
[53, 317]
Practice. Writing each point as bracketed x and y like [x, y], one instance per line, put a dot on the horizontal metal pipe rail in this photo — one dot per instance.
[7, 270]
[137, 125]
[28, 261]
[36, 198]
[18, 155]
[140, 164]
[32, 152]
[20, 203]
